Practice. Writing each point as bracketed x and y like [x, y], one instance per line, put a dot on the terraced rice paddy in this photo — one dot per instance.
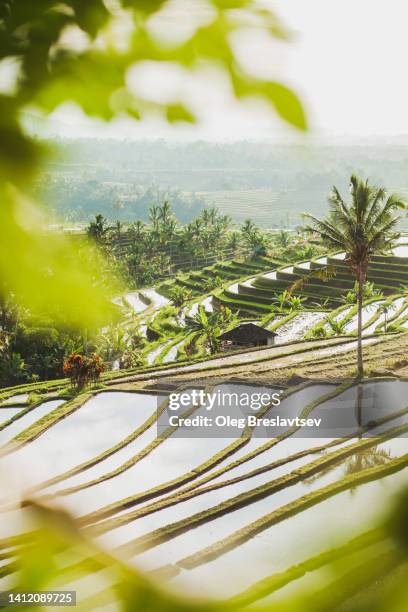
[206, 303]
[28, 417]
[257, 294]
[297, 327]
[268, 207]
[135, 302]
[139, 301]
[171, 355]
[221, 512]
[16, 399]
[8, 413]
[101, 423]
[252, 289]
[367, 314]
[152, 355]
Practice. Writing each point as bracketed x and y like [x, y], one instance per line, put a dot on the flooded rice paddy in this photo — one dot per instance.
[236, 486]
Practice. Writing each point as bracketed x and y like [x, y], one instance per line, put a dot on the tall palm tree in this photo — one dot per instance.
[362, 228]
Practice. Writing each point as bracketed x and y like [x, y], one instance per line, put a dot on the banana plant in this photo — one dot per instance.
[336, 327]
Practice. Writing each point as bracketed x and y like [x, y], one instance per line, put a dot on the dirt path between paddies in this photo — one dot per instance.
[280, 356]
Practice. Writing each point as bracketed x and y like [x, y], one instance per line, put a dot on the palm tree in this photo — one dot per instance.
[283, 239]
[233, 242]
[167, 222]
[210, 324]
[362, 228]
[366, 459]
[385, 308]
[361, 460]
[207, 324]
[118, 229]
[137, 231]
[98, 228]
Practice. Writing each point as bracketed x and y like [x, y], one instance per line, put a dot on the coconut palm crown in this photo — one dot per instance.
[362, 228]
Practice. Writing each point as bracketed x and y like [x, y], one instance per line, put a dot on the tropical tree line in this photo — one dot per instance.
[33, 347]
[156, 249]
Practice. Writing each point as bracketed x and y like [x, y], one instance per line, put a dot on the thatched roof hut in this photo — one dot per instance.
[248, 334]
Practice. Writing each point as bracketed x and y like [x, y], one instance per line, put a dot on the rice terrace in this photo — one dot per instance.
[193, 507]
[203, 306]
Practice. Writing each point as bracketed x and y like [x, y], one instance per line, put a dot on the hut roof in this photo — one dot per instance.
[248, 332]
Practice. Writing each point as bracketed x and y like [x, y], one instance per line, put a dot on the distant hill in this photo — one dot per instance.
[272, 184]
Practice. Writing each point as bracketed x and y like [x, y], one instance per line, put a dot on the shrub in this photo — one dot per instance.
[12, 368]
[43, 349]
[82, 369]
[132, 359]
[318, 332]
[178, 295]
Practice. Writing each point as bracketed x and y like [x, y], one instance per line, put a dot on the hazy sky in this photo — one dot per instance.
[347, 62]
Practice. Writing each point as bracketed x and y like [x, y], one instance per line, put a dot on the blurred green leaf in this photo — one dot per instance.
[43, 269]
[91, 15]
[178, 112]
[66, 82]
[212, 42]
[286, 103]
[144, 6]
[283, 99]
[366, 574]
[40, 268]
[231, 4]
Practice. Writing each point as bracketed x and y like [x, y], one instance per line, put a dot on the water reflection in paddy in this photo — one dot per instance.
[8, 413]
[173, 458]
[361, 405]
[28, 419]
[378, 454]
[100, 423]
[16, 399]
[319, 528]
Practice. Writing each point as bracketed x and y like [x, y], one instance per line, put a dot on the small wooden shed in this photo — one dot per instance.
[247, 334]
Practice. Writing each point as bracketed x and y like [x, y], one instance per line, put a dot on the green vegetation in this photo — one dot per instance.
[41, 269]
[272, 184]
[210, 325]
[66, 309]
[82, 369]
[159, 249]
[86, 558]
[368, 292]
[365, 227]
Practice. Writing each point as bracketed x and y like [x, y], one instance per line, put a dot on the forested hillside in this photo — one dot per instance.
[272, 184]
